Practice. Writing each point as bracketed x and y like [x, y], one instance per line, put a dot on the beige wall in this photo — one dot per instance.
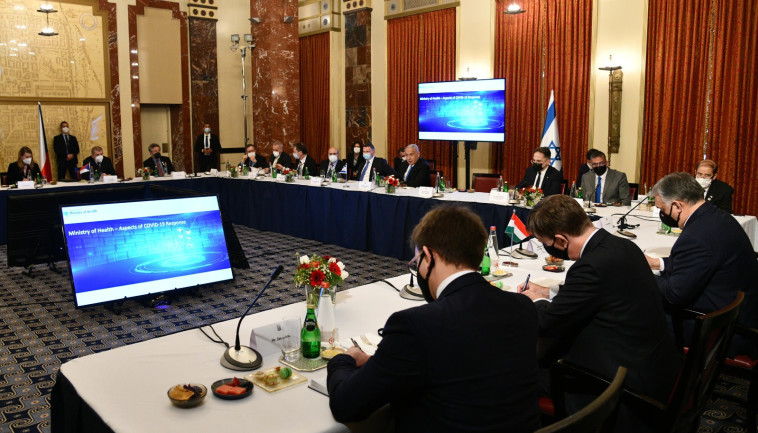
[379, 81]
[159, 52]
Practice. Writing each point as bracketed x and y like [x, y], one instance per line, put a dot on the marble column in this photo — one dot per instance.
[117, 151]
[203, 75]
[358, 76]
[275, 69]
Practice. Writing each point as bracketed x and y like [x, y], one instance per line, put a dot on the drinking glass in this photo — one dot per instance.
[290, 342]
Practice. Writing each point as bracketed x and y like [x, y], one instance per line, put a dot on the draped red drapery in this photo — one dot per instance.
[314, 94]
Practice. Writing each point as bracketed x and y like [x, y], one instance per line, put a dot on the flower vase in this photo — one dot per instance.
[146, 175]
[529, 202]
[313, 295]
[390, 189]
[234, 172]
[289, 178]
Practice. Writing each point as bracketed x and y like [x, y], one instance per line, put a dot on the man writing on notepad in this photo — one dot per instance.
[466, 361]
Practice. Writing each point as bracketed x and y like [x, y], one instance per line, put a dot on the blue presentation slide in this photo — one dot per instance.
[125, 257]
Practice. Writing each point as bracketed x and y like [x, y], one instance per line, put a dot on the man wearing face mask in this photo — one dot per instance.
[279, 159]
[354, 160]
[304, 161]
[430, 382]
[541, 174]
[251, 159]
[605, 184]
[98, 162]
[607, 313]
[66, 150]
[399, 160]
[208, 148]
[711, 260]
[370, 163]
[158, 164]
[332, 164]
[716, 192]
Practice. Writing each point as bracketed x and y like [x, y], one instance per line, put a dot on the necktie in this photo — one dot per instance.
[407, 172]
[207, 144]
[598, 189]
[65, 138]
[159, 166]
[365, 169]
[537, 182]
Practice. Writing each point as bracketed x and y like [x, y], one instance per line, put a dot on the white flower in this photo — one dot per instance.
[342, 266]
[344, 275]
[304, 260]
[332, 260]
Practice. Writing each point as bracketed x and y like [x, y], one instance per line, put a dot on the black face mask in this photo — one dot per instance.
[555, 252]
[157, 155]
[668, 219]
[600, 170]
[423, 283]
[537, 167]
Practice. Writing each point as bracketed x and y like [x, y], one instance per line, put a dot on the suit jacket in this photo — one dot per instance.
[719, 194]
[284, 159]
[551, 184]
[214, 142]
[105, 167]
[397, 163]
[16, 173]
[432, 384]
[616, 188]
[59, 145]
[352, 166]
[325, 167]
[260, 162]
[310, 164]
[709, 263]
[609, 313]
[150, 163]
[584, 168]
[381, 166]
[419, 174]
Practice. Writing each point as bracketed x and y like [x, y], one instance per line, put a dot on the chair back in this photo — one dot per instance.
[4, 178]
[484, 182]
[598, 416]
[633, 193]
[710, 340]
[564, 186]
[432, 164]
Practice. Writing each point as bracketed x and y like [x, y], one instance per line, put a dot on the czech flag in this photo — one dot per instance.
[44, 160]
[84, 169]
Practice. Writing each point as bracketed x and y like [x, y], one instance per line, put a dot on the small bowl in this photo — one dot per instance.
[553, 261]
[193, 401]
[244, 383]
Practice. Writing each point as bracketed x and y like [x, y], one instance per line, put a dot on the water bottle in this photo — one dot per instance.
[572, 192]
[505, 186]
[325, 318]
[492, 247]
[485, 263]
[500, 184]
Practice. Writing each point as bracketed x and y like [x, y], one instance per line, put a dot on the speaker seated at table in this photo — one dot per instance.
[157, 163]
[371, 163]
[541, 175]
[415, 170]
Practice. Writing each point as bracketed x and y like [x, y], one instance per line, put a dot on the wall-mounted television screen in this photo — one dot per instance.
[462, 110]
[128, 249]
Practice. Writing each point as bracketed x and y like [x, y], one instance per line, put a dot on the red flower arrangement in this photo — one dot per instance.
[392, 180]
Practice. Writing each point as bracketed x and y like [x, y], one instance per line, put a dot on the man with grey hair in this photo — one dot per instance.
[279, 159]
[415, 170]
[710, 261]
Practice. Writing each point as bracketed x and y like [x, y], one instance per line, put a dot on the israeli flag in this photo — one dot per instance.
[550, 134]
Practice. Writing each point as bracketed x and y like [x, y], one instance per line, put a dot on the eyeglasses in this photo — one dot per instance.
[704, 176]
[534, 161]
[598, 164]
[414, 263]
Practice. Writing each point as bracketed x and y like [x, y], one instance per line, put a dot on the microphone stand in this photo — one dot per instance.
[242, 358]
[622, 225]
[411, 292]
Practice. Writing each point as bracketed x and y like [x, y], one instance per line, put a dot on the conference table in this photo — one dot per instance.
[124, 389]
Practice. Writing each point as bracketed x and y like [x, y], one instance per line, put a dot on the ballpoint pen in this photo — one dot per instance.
[355, 343]
[526, 283]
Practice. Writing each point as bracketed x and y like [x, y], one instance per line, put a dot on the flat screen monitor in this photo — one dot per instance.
[127, 249]
[462, 110]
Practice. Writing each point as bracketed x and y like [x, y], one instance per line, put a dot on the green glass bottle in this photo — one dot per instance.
[306, 175]
[334, 176]
[505, 186]
[310, 336]
[579, 193]
[486, 262]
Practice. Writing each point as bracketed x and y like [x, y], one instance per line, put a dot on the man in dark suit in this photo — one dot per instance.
[98, 163]
[208, 148]
[711, 260]
[608, 313]
[304, 163]
[332, 164]
[717, 193]
[400, 160]
[370, 163]
[415, 170]
[584, 168]
[605, 184]
[541, 174]
[66, 150]
[279, 159]
[252, 160]
[431, 382]
[158, 164]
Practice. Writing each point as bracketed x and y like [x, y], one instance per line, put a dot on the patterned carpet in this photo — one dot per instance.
[40, 328]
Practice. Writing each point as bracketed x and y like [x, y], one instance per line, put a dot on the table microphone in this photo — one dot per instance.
[240, 357]
[524, 253]
[411, 292]
[622, 225]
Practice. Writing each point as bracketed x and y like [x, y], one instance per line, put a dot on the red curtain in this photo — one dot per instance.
[314, 94]
[700, 92]
[547, 48]
[420, 48]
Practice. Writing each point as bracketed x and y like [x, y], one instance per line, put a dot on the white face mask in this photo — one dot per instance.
[366, 156]
[251, 155]
[99, 159]
[294, 155]
[276, 154]
[332, 158]
[705, 183]
[207, 130]
[404, 159]
[27, 161]
[65, 129]
[356, 150]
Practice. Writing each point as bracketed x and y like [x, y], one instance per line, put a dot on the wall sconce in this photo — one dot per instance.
[47, 9]
[615, 80]
[288, 19]
[255, 20]
[514, 9]
[249, 45]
